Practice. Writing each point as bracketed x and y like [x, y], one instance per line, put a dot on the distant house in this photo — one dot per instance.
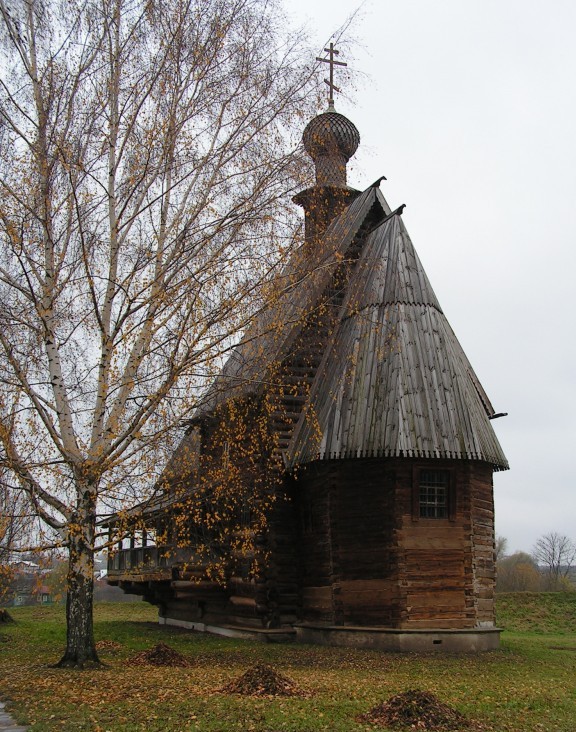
[382, 532]
[27, 589]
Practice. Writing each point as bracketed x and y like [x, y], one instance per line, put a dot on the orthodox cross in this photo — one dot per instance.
[332, 61]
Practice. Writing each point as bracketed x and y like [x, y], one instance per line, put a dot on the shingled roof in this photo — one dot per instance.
[394, 380]
[298, 289]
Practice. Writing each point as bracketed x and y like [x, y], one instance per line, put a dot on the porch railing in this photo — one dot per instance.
[147, 559]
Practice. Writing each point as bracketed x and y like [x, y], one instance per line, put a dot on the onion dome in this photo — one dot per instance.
[331, 139]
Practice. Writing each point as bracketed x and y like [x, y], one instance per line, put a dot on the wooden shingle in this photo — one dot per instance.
[394, 380]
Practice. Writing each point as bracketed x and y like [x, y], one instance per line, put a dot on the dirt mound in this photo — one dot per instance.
[415, 709]
[262, 680]
[108, 645]
[159, 655]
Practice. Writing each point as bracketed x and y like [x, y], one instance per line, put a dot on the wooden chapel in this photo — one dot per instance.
[382, 531]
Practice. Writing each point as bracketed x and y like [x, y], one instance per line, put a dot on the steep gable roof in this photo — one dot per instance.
[394, 380]
[294, 297]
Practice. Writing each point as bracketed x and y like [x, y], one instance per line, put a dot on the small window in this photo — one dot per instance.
[433, 494]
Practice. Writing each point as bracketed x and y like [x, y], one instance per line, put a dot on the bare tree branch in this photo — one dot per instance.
[555, 554]
[146, 164]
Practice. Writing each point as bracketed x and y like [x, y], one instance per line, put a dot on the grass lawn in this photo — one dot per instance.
[527, 685]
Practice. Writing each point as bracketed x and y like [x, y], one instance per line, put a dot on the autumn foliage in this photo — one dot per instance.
[146, 164]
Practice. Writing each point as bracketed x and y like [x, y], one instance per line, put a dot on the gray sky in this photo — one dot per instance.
[468, 107]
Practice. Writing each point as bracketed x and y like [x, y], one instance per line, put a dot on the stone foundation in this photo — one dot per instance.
[471, 640]
[388, 640]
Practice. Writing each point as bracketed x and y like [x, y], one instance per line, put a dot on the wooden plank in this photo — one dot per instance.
[434, 600]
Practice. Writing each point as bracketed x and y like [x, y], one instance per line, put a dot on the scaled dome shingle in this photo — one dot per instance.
[330, 133]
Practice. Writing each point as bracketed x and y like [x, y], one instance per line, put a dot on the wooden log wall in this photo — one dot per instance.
[441, 558]
[363, 527]
[483, 555]
[280, 577]
[347, 547]
[347, 542]
[434, 555]
[315, 486]
[369, 559]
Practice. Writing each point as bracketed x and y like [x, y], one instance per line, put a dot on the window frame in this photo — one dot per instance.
[450, 493]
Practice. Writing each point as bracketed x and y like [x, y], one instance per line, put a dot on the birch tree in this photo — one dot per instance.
[555, 554]
[146, 167]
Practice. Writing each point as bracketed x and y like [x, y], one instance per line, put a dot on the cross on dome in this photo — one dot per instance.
[332, 52]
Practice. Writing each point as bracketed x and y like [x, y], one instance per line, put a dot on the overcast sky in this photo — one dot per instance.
[468, 107]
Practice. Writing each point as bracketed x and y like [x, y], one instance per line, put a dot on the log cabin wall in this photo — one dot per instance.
[369, 558]
[347, 546]
[279, 581]
[363, 526]
[348, 553]
[447, 565]
[435, 561]
[483, 556]
[313, 488]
